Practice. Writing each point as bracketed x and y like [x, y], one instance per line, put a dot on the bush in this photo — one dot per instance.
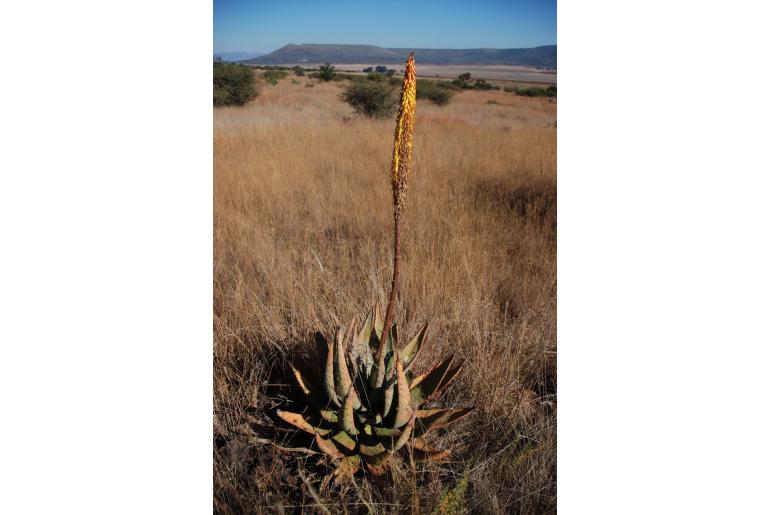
[463, 81]
[482, 84]
[533, 91]
[299, 71]
[272, 76]
[445, 84]
[381, 69]
[370, 98]
[368, 70]
[234, 84]
[326, 72]
[430, 90]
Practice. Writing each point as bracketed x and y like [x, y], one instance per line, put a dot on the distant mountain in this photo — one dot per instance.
[237, 56]
[542, 56]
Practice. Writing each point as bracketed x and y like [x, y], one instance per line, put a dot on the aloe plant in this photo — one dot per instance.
[368, 404]
[352, 419]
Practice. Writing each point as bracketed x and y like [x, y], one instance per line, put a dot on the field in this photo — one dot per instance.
[302, 243]
[502, 72]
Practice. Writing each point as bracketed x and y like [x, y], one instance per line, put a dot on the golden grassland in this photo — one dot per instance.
[302, 242]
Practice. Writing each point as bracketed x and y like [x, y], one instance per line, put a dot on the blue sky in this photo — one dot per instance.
[261, 26]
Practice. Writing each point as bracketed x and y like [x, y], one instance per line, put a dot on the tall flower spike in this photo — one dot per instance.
[402, 140]
[399, 170]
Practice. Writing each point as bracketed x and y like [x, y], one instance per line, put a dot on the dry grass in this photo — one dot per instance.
[302, 243]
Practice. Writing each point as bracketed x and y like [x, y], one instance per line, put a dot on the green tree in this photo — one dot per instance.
[373, 99]
[326, 72]
[463, 80]
[234, 84]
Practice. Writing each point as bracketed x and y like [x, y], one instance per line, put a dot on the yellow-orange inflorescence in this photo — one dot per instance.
[402, 141]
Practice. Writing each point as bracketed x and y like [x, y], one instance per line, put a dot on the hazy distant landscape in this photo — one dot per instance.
[543, 57]
[500, 72]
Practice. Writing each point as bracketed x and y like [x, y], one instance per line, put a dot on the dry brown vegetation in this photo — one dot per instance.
[302, 242]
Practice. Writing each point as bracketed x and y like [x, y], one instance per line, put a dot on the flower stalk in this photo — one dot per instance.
[400, 168]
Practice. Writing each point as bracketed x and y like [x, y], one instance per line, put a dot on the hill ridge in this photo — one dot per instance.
[543, 56]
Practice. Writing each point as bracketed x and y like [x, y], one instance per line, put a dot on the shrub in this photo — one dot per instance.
[326, 72]
[272, 76]
[234, 84]
[429, 90]
[463, 81]
[348, 76]
[370, 98]
[299, 71]
[390, 73]
[533, 91]
[381, 69]
[482, 84]
[368, 70]
[445, 84]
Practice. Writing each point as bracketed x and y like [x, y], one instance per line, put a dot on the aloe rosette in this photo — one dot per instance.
[353, 419]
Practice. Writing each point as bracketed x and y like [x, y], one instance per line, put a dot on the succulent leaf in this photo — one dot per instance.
[341, 375]
[328, 415]
[378, 465]
[348, 466]
[449, 377]
[315, 395]
[380, 430]
[383, 359]
[345, 440]
[403, 398]
[301, 380]
[328, 447]
[371, 448]
[364, 335]
[406, 433]
[433, 418]
[346, 418]
[424, 386]
[389, 389]
[390, 353]
[424, 452]
[331, 392]
[378, 321]
[412, 349]
[299, 422]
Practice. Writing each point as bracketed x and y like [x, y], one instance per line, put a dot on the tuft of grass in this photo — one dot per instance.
[452, 502]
